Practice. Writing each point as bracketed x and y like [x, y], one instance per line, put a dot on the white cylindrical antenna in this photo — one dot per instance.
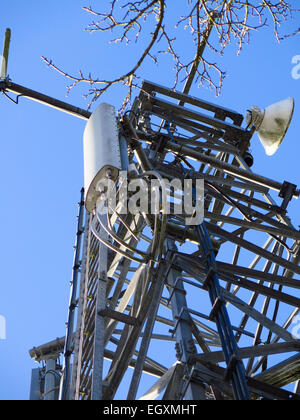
[101, 148]
[5, 54]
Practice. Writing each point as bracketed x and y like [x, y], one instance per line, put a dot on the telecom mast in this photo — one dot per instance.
[152, 282]
[161, 307]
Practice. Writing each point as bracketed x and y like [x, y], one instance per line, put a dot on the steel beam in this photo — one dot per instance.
[253, 351]
[7, 85]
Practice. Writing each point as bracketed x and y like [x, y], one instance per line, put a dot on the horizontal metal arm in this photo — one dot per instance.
[226, 167]
[8, 86]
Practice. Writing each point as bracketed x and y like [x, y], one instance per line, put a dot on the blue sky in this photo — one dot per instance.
[41, 163]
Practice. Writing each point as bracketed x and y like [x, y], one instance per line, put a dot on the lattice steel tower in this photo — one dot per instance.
[221, 292]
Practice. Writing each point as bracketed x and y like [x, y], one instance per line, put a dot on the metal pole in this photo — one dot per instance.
[222, 320]
[6, 85]
[50, 380]
[5, 54]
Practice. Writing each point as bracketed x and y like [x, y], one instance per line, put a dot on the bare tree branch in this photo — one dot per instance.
[229, 21]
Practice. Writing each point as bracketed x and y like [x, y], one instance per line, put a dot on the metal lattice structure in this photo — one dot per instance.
[223, 293]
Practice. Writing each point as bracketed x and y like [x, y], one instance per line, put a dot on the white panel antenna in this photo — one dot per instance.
[101, 151]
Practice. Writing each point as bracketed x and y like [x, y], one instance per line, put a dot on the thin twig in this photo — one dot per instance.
[230, 20]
